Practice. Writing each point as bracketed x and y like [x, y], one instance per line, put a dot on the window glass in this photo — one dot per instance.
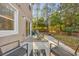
[6, 17]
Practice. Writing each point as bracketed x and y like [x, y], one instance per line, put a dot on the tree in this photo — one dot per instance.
[70, 12]
[55, 20]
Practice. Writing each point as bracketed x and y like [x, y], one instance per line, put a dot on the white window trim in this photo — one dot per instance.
[4, 33]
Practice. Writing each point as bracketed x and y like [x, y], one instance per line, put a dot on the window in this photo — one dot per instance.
[8, 19]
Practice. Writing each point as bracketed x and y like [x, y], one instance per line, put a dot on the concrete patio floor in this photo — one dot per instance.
[45, 44]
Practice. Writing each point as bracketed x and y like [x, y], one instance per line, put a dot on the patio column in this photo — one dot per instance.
[30, 28]
[31, 19]
[24, 27]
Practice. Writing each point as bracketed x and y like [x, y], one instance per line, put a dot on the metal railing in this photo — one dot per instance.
[26, 47]
[76, 50]
[53, 44]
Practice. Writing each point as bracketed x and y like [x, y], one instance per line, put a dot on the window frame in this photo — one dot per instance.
[4, 33]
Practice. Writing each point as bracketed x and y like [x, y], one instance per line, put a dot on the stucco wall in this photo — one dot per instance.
[21, 31]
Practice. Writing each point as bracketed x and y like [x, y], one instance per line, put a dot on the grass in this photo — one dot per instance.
[71, 41]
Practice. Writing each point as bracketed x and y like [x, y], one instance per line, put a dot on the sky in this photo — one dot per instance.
[34, 8]
[50, 5]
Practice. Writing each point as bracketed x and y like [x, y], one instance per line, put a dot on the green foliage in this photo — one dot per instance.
[55, 19]
[70, 15]
[66, 18]
[41, 22]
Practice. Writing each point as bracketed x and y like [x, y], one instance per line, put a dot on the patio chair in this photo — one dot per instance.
[15, 51]
[60, 51]
[20, 51]
[12, 45]
[40, 36]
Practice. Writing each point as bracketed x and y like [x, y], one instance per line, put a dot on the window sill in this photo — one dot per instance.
[7, 33]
